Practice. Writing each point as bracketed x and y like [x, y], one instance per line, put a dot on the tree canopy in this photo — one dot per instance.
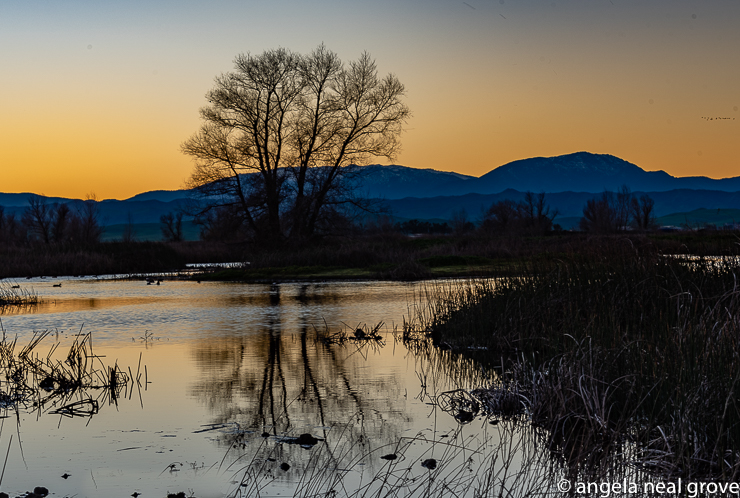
[279, 133]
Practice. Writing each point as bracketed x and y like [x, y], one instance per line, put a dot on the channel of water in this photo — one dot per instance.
[229, 374]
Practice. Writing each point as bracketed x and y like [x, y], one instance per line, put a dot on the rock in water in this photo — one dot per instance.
[306, 440]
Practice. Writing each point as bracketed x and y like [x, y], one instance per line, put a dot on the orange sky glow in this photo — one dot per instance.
[97, 98]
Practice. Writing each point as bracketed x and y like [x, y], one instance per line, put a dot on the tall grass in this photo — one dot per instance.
[14, 295]
[622, 357]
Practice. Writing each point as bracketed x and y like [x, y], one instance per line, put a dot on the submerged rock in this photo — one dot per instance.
[306, 440]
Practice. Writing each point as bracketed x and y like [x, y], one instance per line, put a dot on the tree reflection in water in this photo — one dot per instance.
[279, 379]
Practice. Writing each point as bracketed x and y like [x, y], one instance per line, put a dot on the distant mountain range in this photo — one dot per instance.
[586, 172]
[578, 172]
[568, 180]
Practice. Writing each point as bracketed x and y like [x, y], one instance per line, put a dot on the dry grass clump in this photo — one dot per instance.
[47, 384]
[358, 334]
[14, 295]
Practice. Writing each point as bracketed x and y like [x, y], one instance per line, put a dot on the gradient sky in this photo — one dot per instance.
[96, 97]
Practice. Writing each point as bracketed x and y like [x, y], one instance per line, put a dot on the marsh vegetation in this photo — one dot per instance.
[73, 385]
[13, 295]
[627, 360]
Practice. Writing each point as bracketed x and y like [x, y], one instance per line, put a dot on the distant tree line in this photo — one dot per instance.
[618, 211]
[57, 224]
[77, 224]
[610, 212]
[531, 216]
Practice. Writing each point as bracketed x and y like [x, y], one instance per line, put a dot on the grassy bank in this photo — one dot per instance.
[390, 256]
[397, 257]
[109, 258]
[623, 357]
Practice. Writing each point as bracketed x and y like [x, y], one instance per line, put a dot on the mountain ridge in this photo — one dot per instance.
[568, 180]
[575, 172]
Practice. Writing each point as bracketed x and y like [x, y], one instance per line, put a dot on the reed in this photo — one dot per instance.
[504, 461]
[622, 357]
[15, 295]
[31, 382]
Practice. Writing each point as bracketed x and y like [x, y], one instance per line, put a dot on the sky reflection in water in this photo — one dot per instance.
[243, 357]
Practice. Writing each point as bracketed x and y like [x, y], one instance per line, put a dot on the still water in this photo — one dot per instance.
[228, 374]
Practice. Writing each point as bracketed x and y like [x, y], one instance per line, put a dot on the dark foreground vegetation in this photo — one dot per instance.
[626, 360]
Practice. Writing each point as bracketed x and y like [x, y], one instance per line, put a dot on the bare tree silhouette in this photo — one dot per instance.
[295, 122]
[38, 217]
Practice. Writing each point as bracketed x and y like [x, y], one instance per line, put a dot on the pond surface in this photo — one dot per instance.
[228, 374]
